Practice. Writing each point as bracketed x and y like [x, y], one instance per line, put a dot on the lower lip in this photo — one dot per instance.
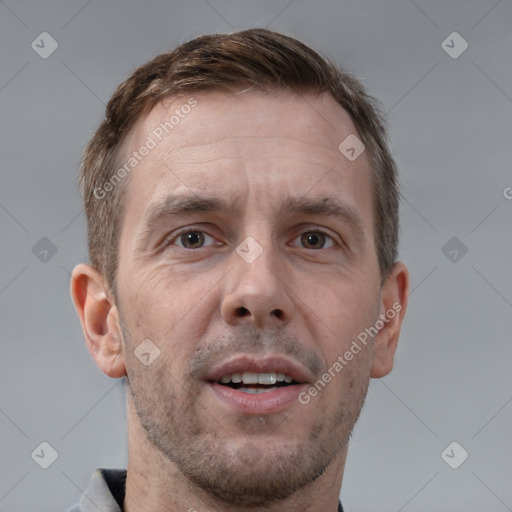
[268, 402]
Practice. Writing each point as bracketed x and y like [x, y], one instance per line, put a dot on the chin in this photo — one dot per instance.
[253, 473]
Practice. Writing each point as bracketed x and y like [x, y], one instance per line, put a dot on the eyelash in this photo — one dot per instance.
[171, 239]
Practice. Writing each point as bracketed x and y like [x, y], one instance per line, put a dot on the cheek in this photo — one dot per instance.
[344, 307]
[159, 297]
[173, 310]
[345, 313]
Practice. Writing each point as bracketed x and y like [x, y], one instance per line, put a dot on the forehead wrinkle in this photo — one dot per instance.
[320, 165]
[219, 146]
[188, 155]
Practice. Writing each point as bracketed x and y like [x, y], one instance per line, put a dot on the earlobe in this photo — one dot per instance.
[99, 318]
[394, 298]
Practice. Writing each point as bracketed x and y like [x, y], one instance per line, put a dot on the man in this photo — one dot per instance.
[242, 210]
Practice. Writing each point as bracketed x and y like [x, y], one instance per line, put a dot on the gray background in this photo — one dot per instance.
[451, 131]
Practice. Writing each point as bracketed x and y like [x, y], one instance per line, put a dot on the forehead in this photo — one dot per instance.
[263, 145]
[317, 120]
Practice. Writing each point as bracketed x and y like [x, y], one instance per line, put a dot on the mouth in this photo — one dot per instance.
[258, 386]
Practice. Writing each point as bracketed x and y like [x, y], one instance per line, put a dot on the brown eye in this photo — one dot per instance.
[313, 239]
[193, 240]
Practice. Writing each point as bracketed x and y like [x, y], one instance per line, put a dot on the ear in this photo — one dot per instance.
[394, 299]
[100, 319]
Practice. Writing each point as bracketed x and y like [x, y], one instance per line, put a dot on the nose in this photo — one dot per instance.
[257, 292]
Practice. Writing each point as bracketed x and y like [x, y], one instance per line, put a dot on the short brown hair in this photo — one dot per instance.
[259, 59]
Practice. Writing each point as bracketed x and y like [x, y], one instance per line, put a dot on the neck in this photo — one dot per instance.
[154, 482]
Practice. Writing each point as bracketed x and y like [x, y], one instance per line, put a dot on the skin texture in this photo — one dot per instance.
[303, 298]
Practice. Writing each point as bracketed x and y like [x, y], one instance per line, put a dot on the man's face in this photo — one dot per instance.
[247, 247]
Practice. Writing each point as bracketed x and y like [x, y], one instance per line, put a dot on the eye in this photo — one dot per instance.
[315, 240]
[192, 239]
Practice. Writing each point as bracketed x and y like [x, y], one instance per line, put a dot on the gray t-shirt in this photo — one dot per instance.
[106, 492]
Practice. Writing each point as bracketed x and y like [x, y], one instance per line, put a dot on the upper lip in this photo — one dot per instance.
[246, 363]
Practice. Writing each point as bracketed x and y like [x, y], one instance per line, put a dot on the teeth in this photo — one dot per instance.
[250, 378]
[267, 379]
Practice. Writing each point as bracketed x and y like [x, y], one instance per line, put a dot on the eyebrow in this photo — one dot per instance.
[328, 206]
[176, 205]
[179, 205]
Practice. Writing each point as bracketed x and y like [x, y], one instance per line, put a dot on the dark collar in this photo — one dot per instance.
[116, 481]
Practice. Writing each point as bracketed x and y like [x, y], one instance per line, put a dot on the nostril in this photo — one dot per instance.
[242, 312]
[278, 313]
